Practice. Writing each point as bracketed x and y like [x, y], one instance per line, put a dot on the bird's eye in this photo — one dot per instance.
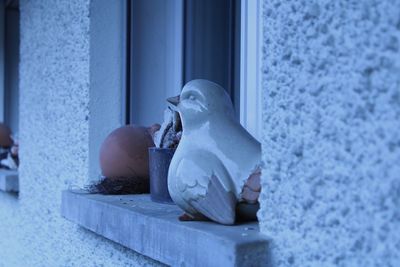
[192, 97]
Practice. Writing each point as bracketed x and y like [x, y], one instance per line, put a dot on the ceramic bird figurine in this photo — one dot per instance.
[216, 167]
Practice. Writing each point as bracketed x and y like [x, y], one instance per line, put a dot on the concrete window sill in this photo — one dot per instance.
[154, 230]
[9, 181]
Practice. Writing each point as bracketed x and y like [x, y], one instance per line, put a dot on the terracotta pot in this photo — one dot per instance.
[124, 153]
[159, 161]
[5, 136]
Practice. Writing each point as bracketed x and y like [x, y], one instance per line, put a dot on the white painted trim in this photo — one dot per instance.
[250, 69]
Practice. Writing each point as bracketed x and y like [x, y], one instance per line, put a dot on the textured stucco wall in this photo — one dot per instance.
[331, 181]
[331, 184]
[54, 132]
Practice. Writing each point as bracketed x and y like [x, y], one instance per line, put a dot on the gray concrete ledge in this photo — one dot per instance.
[154, 230]
[9, 181]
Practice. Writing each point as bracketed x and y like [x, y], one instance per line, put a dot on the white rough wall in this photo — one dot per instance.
[54, 119]
[331, 182]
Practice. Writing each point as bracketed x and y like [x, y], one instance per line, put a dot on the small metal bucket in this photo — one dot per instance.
[159, 160]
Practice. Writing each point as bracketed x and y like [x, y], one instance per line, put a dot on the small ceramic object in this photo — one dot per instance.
[9, 162]
[9, 156]
[216, 165]
[171, 129]
[124, 161]
[124, 153]
[166, 140]
[160, 159]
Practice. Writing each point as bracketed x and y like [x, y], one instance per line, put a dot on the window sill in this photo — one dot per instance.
[154, 230]
[9, 181]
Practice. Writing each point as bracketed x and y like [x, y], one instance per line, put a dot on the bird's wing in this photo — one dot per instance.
[217, 204]
[205, 185]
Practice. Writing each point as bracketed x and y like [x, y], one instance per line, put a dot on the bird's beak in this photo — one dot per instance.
[174, 100]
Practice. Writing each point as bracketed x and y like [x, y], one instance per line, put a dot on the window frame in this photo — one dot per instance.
[109, 101]
[250, 70]
[110, 69]
[246, 82]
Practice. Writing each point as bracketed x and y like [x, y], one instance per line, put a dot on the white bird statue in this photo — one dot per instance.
[215, 172]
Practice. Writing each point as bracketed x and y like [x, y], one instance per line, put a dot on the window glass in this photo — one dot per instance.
[11, 72]
[212, 43]
[173, 42]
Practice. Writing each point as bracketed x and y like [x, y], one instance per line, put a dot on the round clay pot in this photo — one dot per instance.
[160, 159]
[124, 153]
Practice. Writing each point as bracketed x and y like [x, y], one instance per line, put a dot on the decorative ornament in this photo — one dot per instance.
[124, 161]
[8, 149]
[215, 171]
[166, 140]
